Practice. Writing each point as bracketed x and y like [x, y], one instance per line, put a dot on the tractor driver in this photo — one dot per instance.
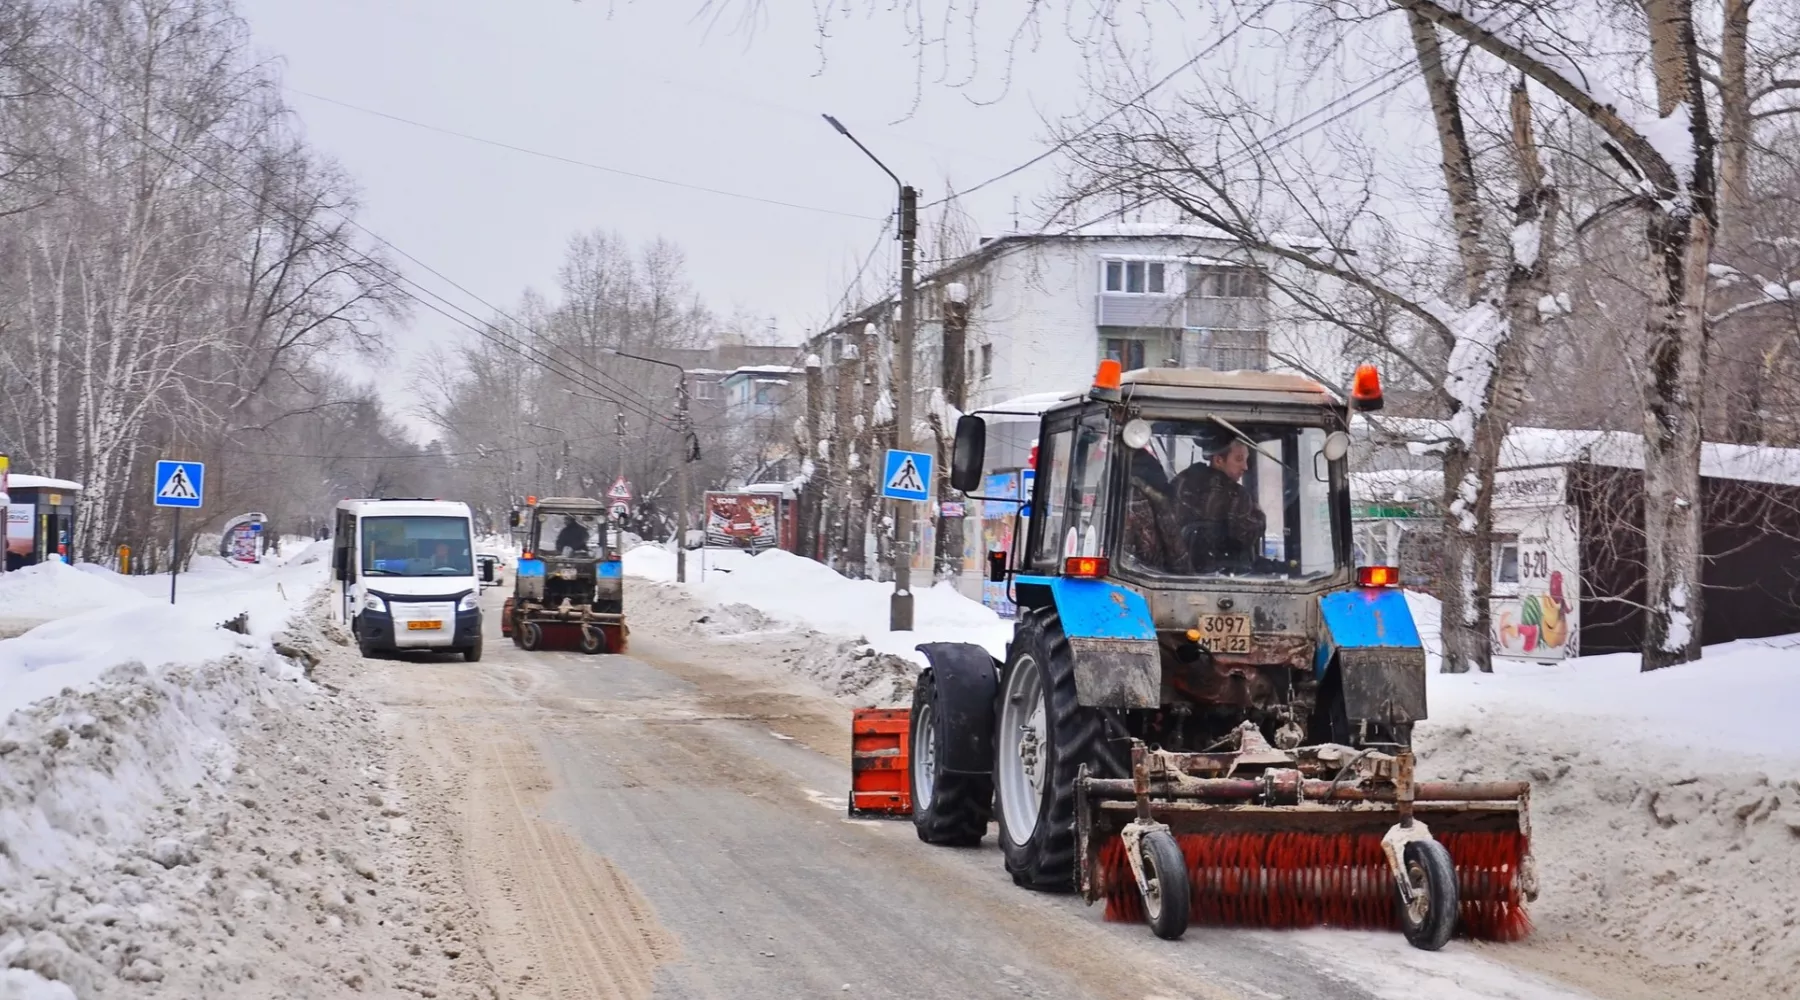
[1220, 521]
[573, 537]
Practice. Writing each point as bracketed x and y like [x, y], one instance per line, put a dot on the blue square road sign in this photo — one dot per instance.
[906, 475]
[180, 484]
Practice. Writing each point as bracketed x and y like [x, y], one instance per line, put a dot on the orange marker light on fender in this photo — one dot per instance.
[1378, 576]
[1365, 388]
[531, 501]
[1085, 567]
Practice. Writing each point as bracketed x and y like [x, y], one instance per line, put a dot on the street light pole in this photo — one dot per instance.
[900, 605]
[689, 453]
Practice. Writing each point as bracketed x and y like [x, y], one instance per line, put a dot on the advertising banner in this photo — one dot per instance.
[742, 520]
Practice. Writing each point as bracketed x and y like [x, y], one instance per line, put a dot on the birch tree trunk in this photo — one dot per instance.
[1679, 211]
[1680, 237]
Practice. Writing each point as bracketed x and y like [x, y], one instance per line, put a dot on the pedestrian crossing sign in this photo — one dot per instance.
[907, 475]
[180, 484]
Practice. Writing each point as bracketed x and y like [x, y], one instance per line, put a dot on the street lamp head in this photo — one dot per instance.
[836, 125]
[609, 350]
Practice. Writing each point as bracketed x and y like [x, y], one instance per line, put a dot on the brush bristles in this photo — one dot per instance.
[1292, 880]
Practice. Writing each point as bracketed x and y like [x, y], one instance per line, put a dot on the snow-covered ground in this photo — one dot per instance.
[1665, 806]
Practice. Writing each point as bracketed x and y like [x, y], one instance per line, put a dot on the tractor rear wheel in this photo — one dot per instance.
[948, 809]
[1042, 740]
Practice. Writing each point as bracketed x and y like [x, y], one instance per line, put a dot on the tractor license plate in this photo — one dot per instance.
[1225, 633]
[429, 625]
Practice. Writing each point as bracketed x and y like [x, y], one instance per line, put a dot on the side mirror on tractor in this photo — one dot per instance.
[969, 454]
[512, 518]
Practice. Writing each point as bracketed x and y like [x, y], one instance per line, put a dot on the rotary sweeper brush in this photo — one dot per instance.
[1206, 709]
[1321, 836]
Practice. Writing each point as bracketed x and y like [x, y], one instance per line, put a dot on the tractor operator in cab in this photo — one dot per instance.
[573, 537]
[1220, 523]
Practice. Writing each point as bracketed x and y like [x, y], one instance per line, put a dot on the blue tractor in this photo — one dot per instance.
[1206, 710]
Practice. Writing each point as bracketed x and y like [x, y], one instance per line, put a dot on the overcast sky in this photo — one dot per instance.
[644, 87]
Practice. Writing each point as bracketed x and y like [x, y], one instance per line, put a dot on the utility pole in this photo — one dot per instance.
[690, 453]
[690, 448]
[621, 427]
[900, 606]
[906, 521]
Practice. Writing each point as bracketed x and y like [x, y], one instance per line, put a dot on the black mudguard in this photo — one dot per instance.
[968, 681]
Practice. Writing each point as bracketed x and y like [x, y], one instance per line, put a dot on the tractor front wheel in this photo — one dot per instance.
[1042, 740]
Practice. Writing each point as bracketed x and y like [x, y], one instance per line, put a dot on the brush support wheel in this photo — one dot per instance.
[1168, 903]
[1431, 917]
[592, 640]
[531, 636]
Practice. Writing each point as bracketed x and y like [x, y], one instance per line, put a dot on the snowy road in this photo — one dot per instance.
[667, 825]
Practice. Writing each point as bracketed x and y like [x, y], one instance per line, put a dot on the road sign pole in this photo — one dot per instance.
[174, 554]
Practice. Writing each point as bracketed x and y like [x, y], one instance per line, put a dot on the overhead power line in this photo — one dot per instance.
[571, 161]
[485, 329]
[1067, 141]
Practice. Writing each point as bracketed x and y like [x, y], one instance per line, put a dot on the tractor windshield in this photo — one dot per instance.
[570, 535]
[1245, 499]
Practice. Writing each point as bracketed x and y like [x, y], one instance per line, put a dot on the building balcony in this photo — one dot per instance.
[1175, 312]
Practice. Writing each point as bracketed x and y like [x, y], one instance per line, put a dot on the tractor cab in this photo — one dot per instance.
[1218, 504]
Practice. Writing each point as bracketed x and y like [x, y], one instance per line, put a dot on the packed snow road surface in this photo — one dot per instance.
[672, 824]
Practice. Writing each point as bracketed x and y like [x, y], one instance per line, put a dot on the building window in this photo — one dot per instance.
[1127, 351]
[1226, 283]
[705, 390]
[987, 360]
[1136, 277]
[1506, 559]
[765, 393]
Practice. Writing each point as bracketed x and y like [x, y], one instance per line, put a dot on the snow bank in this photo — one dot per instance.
[816, 623]
[799, 591]
[55, 590]
[129, 626]
[1665, 806]
[221, 829]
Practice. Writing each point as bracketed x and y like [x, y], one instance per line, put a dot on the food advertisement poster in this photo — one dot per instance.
[741, 520]
[1536, 619]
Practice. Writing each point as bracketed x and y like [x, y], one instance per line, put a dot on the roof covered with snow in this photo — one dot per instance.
[768, 370]
[19, 481]
[1527, 447]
